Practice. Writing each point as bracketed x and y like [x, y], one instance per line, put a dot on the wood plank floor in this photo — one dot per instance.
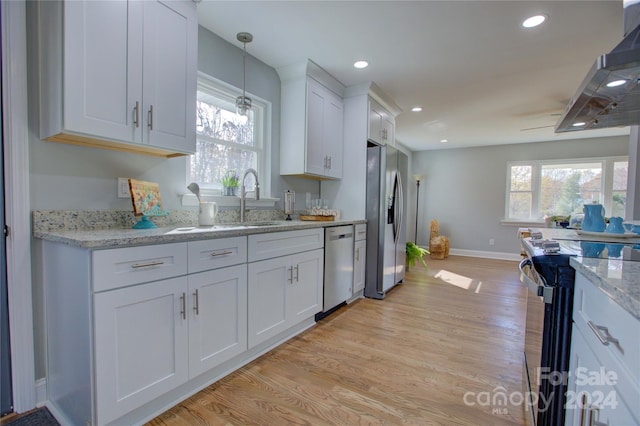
[436, 351]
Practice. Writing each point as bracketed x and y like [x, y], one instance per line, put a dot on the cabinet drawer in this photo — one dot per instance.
[266, 246]
[134, 265]
[361, 231]
[217, 253]
[592, 305]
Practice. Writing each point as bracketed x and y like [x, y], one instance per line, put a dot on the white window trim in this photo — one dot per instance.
[264, 166]
[536, 216]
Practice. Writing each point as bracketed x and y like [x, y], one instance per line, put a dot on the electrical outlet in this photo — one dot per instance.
[123, 188]
[492, 241]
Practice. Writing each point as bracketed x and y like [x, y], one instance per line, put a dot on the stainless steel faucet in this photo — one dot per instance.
[243, 192]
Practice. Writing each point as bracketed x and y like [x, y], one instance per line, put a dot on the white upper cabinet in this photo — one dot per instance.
[119, 75]
[311, 122]
[381, 124]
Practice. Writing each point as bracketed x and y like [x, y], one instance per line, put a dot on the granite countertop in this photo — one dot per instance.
[121, 237]
[618, 279]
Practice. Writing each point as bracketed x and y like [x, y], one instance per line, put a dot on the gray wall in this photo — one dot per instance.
[465, 188]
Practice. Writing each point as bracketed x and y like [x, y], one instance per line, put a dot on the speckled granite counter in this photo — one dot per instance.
[82, 229]
[619, 279]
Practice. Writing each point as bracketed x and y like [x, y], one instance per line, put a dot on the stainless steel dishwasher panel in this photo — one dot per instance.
[338, 265]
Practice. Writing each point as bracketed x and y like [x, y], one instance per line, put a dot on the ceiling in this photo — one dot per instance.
[480, 77]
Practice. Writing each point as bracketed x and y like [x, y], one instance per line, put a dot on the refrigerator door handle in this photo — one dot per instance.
[400, 205]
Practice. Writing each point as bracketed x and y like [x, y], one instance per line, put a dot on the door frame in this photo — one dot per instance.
[18, 217]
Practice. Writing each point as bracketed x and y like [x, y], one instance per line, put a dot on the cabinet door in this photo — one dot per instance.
[305, 289]
[170, 70]
[333, 137]
[218, 317]
[359, 265]
[375, 123]
[140, 345]
[388, 129]
[102, 68]
[316, 156]
[267, 298]
[598, 389]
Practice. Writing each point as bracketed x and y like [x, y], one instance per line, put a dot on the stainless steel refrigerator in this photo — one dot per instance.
[386, 231]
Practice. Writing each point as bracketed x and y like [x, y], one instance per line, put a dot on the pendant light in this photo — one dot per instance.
[243, 103]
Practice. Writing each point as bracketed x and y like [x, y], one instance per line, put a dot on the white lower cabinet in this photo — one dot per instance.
[282, 292]
[141, 349]
[359, 265]
[604, 382]
[153, 337]
[217, 318]
[286, 272]
[147, 325]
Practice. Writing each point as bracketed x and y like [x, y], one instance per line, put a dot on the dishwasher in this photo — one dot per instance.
[338, 267]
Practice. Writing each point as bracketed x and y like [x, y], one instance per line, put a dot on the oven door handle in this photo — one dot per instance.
[544, 291]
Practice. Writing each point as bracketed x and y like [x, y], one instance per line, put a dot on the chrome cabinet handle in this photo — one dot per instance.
[183, 303]
[221, 253]
[358, 254]
[583, 408]
[150, 118]
[297, 273]
[290, 274]
[136, 114]
[196, 304]
[605, 338]
[147, 265]
[594, 417]
[329, 163]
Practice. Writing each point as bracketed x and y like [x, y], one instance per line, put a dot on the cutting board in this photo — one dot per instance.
[320, 218]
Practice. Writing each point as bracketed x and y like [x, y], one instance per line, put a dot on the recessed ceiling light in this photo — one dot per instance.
[444, 141]
[416, 109]
[578, 124]
[616, 83]
[534, 21]
[361, 64]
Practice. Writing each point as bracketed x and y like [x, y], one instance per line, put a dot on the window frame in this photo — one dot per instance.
[606, 184]
[262, 136]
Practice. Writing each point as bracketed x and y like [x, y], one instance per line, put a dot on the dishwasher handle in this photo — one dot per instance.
[544, 291]
[341, 236]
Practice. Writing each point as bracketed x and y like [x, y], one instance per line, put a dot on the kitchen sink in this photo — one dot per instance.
[222, 227]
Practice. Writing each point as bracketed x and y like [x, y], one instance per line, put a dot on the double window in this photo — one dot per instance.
[227, 143]
[560, 188]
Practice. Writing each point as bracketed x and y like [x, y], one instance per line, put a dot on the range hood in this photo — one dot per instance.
[598, 104]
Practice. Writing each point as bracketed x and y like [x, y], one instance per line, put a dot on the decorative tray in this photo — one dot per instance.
[317, 217]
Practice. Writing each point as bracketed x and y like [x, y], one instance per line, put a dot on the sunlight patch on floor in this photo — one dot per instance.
[459, 280]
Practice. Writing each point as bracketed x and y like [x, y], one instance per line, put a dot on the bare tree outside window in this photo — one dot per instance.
[226, 142]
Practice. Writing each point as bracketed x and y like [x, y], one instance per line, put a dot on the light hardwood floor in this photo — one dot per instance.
[440, 349]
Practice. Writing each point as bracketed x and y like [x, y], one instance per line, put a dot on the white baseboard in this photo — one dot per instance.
[486, 254]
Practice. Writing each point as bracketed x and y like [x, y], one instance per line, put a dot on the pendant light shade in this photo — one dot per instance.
[243, 103]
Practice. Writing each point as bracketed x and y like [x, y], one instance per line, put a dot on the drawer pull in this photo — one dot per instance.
[290, 279]
[221, 253]
[297, 273]
[196, 304]
[147, 265]
[605, 338]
